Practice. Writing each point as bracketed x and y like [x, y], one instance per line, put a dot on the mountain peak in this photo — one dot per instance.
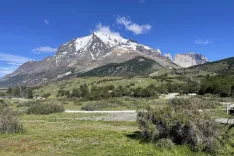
[110, 39]
[168, 55]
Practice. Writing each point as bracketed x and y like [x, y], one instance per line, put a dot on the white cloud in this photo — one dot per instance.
[202, 42]
[141, 1]
[131, 26]
[46, 49]
[12, 62]
[46, 22]
[9, 58]
[15, 64]
[106, 29]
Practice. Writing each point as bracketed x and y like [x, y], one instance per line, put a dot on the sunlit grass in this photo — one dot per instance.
[46, 136]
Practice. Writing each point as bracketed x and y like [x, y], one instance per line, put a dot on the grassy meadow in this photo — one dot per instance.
[48, 135]
[69, 134]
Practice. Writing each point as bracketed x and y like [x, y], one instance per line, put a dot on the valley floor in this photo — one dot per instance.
[75, 132]
[62, 134]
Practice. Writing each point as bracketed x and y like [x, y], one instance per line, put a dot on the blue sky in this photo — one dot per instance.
[34, 29]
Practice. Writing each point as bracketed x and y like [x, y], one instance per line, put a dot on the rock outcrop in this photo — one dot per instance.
[189, 59]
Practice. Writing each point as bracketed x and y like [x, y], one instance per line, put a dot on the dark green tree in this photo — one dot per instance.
[29, 93]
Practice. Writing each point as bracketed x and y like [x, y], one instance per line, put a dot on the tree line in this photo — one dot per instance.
[105, 92]
[20, 91]
[219, 85]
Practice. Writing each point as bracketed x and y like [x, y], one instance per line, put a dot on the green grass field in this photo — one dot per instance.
[66, 134]
[50, 136]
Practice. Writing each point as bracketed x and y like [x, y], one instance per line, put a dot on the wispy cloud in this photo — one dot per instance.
[46, 22]
[202, 42]
[131, 26]
[9, 58]
[105, 29]
[15, 64]
[141, 1]
[7, 70]
[45, 49]
[9, 63]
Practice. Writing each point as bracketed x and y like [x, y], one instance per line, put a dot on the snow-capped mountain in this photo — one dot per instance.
[168, 56]
[82, 55]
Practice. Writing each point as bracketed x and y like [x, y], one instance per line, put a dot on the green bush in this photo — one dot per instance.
[46, 95]
[107, 92]
[9, 120]
[63, 93]
[29, 103]
[97, 105]
[45, 108]
[183, 124]
[208, 95]
[165, 143]
[193, 103]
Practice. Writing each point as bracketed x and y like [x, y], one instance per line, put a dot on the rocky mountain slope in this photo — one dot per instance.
[188, 60]
[82, 55]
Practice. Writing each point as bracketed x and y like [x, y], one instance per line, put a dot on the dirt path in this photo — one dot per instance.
[225, 120]
[125, 115]
[169, 96]
[109, 112]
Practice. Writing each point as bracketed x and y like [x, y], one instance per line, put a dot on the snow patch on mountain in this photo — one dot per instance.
[168, 56]
[81, 43]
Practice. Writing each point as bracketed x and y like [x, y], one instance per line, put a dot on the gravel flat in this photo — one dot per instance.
[124, 115]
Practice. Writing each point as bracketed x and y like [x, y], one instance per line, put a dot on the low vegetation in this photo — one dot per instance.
[178, 127]
[98, 105]
[219, 85]
[45, 108]
[106, 92]
[182, 123]
[9, 119]
[20, 91]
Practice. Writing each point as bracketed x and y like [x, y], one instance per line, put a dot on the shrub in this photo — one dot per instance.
[3, 104]
[9, 120]
[165, 143]
[28, 103]
[97, 105]
[45, 108]
[192, 103]
[63, 93]
[91, 106]
[46, 95]
[183, 124]
[208, 95]
[29, 94]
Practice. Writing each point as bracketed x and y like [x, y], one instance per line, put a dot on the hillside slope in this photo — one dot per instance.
[136, 66]
[224, 67]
